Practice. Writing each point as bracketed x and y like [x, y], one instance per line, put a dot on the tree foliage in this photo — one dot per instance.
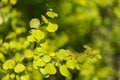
[43, 40]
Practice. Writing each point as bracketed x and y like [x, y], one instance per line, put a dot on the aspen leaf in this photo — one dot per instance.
[38, 35]
[70, 64]
[44, 19]
[9, 64]
[51, 27]
[51, 14]
[64, 71]
[35, 23]
[19, 68]
[24, 77]
[46, 58]
[50, 68]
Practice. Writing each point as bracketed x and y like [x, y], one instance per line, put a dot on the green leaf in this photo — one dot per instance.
[9, 64]
[51, 27]
[13, 2]
[12, 76]
[44, 19]
[40, 62]
[35, 23]
[30, 38]
[19, 68]
[50, 68]
[51, 14]
[70, 64]
[38, 35]
[46, 58]
[5, 1]
[18, 77]
[6, 77]
[28, 53]
[64, 71]
[24, 77]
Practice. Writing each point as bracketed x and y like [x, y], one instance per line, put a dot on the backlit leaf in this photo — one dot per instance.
[9, 64]
[51, 27]
[51, 14]
[19, 68]
[64, 71]
[44, 19]
[35, 23]
[50, 68]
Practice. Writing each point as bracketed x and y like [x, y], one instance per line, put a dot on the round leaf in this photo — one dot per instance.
[46, 58]
[35, 23]
[51, 14]
[9, 64]
[19, 68]
[64, 71]
[51, 27]
[50, 68]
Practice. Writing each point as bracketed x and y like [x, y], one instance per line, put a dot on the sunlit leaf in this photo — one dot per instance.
[64, 71]
[35, 23]
[37, 34]
[44, 19]
[28, 53]
[51, 27]
[50, 68]
[12, 76]
[30, 38]
[40, 62]
[13, 2]
[46, 58]
[6, 77]
[9, 64]
[19, 68]
[70, 64]
[24, 77]
[51, 14]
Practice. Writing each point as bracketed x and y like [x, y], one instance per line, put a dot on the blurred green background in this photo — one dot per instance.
[81, 22]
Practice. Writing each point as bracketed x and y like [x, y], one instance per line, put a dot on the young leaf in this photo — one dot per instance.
[44, 19]
[35, 23]
[30, 38]
[46, 58]
[40, 62]
[51, 27]
[38, 35]
[64, 71]
[28, 53]
[51, 14]
[70, 64]
[19, 68]
[6, 77]
[12, 76]
[13, 2]
[50, 68]
[9, 64]
[24, 77]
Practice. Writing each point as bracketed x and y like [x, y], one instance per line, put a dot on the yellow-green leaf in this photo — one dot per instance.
[38, 35]
[51, 14]
[44, 19]
[9, 64]
[51, 27]
[24, 77]
[19, 68]
[46, 58]
[70, 64]
[64, 71]
[35, 23]
[28, 53]
[50, 68]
